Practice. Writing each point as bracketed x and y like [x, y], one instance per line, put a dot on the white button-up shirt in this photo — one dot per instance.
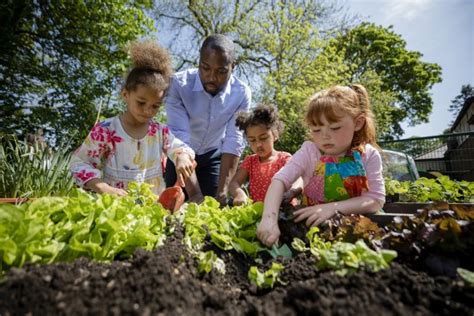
[202, 121]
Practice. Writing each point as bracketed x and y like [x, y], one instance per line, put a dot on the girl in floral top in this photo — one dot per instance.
[133, 146]
[341, 167]
[262, 128]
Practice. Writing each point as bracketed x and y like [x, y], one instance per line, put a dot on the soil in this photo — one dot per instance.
[166, 282]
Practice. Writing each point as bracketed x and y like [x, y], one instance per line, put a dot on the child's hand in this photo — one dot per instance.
[102, 187]
[290, 194]
[115, 191]
[240, 198]
[268, 232]
[184, 167]
[315, 215]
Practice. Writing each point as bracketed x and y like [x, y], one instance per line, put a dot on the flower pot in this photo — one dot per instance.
[13, 200]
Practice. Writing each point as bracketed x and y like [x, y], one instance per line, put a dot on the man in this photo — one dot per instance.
[201, 107]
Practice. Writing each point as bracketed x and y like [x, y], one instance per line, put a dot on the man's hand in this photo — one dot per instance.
[196, 198]
[222, 199]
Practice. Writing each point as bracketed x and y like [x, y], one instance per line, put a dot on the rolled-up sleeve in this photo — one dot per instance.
[177, 116]
[234, 140]
[175, 147]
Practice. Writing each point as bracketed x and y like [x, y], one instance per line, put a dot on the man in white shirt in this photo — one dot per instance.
[201, 106]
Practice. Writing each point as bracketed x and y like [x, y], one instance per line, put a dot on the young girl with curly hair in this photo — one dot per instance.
[133, 146]
[262, 128]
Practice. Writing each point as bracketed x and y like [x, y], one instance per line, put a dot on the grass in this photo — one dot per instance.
[33, 170]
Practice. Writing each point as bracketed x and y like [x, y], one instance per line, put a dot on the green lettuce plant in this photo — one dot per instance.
[228, 228]
[267, 279]
[343, 257]
[101, 227]
[424, 190]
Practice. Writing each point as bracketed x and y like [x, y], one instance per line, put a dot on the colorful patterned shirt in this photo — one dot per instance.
[307, 157]
[260, 174]
[109, 153]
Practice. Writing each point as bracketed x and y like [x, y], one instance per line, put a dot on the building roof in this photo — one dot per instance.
[436, 153]
[469, 101]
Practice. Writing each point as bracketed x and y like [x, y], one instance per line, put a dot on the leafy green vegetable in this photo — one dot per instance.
[439, 189]
[208, 260]
[228, 228]
[466, 275]
[101, 227]
[344, 257]
[268, 278]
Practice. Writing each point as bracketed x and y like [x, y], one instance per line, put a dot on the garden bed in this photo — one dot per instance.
[328, 270]
[166, 281]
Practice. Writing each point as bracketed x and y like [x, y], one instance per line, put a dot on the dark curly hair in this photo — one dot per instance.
[262, 114]
[151, 66]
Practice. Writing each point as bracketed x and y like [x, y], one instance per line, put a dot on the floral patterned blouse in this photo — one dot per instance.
[111, 154]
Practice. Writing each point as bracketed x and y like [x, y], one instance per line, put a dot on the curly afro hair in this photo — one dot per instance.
[262, 114]
[151, 66]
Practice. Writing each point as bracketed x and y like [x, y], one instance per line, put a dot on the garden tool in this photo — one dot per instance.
[173, 198]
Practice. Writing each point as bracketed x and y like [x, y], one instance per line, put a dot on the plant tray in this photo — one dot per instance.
[385, 219]
[413, 207]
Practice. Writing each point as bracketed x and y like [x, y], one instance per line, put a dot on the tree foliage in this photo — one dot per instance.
[60, 59]
[370, 48]
[277, 41]
[288, 50]
[457, 103]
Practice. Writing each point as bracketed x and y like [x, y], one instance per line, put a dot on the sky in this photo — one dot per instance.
[443, 31]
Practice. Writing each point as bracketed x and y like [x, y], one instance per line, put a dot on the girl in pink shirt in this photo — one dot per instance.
[341, 167]
[262, 128]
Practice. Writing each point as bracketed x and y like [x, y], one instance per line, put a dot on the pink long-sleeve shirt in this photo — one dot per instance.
[305, 159]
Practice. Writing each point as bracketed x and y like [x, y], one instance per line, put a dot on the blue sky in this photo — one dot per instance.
[443, 31]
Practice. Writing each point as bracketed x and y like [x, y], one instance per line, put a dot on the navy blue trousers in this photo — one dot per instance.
[207, 171]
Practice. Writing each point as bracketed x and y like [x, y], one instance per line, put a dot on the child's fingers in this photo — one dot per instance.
[311, 220]
[181, 180]
[318, 221]
[271, 240]
[189, 168]
[301, 214]
[301, 211]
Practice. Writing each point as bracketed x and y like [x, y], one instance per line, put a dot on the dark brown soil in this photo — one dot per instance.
[166, 282]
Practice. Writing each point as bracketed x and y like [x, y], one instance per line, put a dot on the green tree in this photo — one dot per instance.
[288, 50]
[371, 48]
[278, 44]
[60, 59]
[457, 103]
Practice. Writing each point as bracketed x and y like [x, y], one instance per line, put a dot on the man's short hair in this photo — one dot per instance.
[221, 43]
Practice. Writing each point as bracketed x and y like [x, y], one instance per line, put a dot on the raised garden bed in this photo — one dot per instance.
[169, 280]
[166, 282]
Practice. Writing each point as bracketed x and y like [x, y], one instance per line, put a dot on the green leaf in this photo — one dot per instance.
[466, 275]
